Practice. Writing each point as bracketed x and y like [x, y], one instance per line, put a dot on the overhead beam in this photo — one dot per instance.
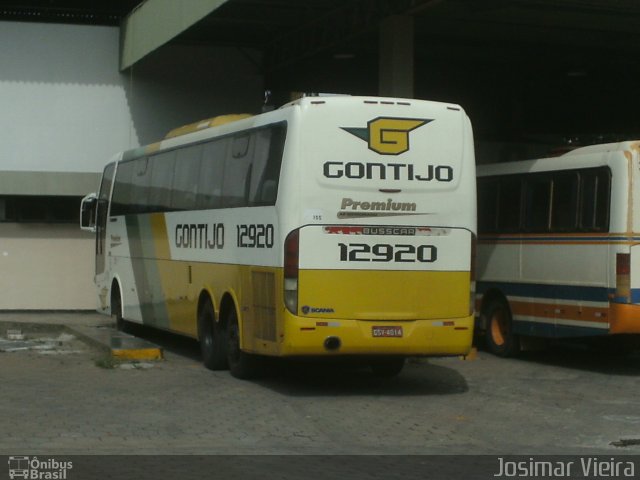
[155, 22]
[352, 19]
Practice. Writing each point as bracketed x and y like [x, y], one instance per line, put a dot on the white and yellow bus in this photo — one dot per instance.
[331, 226]
[559, 246]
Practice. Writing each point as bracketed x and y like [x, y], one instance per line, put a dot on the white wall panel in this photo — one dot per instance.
[64, 104]
[65, 110]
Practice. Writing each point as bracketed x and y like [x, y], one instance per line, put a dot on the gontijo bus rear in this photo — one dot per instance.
[354, 235]
[381, 229]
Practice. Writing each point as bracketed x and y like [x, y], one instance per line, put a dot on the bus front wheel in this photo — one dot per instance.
[212, 344]
[500, 339]
[241, 364]
[116, 312]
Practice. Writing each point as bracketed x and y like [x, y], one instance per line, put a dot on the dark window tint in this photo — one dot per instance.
[140, 186]
[185, 178]
[240, 145]
[595, 200]
[509, 203]
[212, 174]
[162, 165]
[487, 205]
[265, 172]
[564, 207]
[564, 201]
[235, 171]
[537, 203]
[122, 190]
[107, 181]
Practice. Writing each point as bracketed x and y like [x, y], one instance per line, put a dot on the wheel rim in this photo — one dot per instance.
[498, 327]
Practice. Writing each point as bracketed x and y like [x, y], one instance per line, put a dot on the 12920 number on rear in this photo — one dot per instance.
[384, 252]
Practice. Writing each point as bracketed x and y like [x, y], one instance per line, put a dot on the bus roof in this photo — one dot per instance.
[224, 124]
[572, 159]
[208, 123]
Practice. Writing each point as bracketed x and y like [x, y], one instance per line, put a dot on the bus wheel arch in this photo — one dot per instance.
[117, 305]
[211, 335]
[228, 304]
[242, 365]
[500, 338]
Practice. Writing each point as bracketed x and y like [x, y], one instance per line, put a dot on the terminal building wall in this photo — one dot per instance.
[66, 110]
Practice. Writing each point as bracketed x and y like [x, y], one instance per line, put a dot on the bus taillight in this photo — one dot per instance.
[291, 257]
[623, 277]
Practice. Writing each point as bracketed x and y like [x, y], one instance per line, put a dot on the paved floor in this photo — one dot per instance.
[561, 401]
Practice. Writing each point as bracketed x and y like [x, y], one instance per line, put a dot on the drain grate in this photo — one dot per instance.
[626, 442]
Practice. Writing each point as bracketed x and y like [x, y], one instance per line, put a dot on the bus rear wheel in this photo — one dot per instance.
[212, 344]
[387, 367]
[241, 364]
[500, 339]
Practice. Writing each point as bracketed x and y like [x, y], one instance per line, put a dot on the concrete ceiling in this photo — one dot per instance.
[92, 12]
[522, 68]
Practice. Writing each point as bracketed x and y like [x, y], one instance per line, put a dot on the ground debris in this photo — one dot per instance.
[16, 341]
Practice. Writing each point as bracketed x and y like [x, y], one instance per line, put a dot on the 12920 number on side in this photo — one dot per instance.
[254, 236]
[384, 252]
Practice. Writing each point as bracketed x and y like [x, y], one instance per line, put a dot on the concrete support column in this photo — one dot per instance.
[396, 57]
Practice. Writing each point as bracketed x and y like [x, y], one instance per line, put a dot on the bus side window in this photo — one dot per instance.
[211, 174]
[595, 200]
[122, 190]
[537, 203]
[564, 204]
[240, 146]
[487, 205]
[267, 160]
[185, 178]
[509, 203]
[140, 186]
[237, 167]
[162, 166]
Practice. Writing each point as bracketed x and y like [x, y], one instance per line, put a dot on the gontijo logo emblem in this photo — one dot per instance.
[388, 136]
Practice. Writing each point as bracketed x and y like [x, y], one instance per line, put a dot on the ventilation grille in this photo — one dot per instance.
[264, 309]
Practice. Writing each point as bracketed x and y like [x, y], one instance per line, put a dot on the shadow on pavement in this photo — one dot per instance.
[337, 378]
[328, 376]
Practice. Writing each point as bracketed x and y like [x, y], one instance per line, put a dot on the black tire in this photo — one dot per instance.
[211, 337]
[499, 336]
[116, 312]
[241, 364]
[387, 367]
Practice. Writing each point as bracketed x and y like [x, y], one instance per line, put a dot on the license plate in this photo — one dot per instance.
[387, 331]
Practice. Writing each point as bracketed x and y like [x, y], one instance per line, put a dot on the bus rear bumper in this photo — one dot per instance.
[317, 337]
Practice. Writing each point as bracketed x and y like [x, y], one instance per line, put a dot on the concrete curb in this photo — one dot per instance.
[105, 338]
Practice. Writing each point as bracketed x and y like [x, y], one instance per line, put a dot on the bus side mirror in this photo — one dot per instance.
[88, 213]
